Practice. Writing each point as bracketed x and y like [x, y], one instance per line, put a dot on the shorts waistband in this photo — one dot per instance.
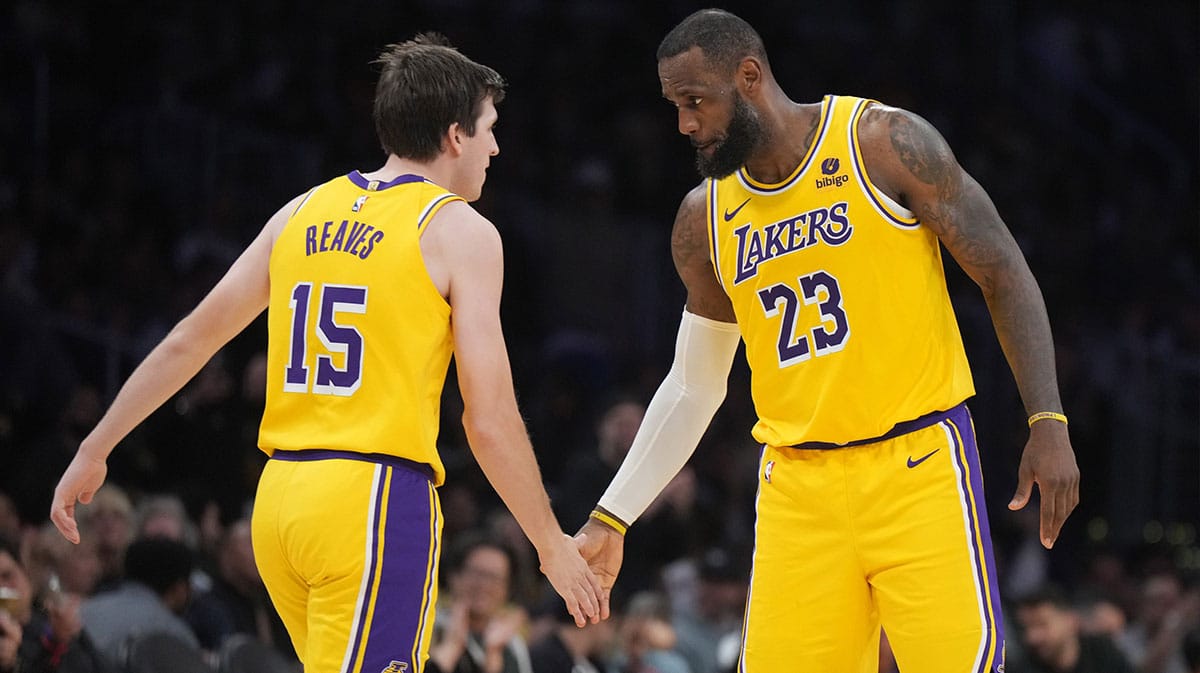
[305, 455]
[903, 428]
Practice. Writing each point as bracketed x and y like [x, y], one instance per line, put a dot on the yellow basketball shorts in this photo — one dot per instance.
[891, 533]
[347, 545]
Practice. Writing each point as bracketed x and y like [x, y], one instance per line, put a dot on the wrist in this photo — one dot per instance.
[609, 520]
[1047, 417]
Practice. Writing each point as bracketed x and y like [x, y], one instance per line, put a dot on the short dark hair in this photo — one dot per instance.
[159, 563]
[724, 38]
[424, 86]
[466, 543]
[1046, 594]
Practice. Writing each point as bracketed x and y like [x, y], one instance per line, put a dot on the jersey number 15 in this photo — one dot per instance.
[345, 341]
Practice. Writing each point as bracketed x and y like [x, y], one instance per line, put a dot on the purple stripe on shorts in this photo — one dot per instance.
[368, 587]
[398, 616]
[985, 568]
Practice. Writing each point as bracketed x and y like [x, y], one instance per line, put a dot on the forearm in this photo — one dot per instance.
[502, 448]
[677, 416]
[1023, 329]
[171, 364]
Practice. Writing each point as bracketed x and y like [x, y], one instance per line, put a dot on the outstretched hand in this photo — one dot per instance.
[79, 483]
[604, 549]
[1048, 461]
[570, 576]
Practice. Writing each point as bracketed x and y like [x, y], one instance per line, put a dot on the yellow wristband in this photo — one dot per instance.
[1043, 415]
[610, 520]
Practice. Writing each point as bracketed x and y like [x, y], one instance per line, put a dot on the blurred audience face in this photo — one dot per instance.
[77, 566]
[1160, 595]
[1103, 618]
[482, 582]
[1051, 632]
[109, 518]
[617, 429]
[14, 586]
[237, 559]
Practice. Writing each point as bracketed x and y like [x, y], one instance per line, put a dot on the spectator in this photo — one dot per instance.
[647, 638]
[710, 635]
[566, 647]
[40, 640]
[50, 558]
[237, 601]
[476, 629]
[108, 519]
[165, 516]
[1154, 639]
[150, 599]
[1053, 641]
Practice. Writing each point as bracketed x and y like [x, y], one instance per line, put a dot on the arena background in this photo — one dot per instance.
[144, 144]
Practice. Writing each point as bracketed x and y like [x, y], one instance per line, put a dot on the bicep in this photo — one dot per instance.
[475, 268]
[910, 159]
[693, 261]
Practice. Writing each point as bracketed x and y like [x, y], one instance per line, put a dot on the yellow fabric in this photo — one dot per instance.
[348, 279]
[840, 296]
[853, 538]
[310, 531]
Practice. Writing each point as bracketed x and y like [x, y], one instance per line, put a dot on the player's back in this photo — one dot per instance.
[359, 336]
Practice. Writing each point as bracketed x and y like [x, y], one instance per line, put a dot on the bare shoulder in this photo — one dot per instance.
[693, 261]
[689, 236]
[461, 246]
[905, 155]
[458, 227]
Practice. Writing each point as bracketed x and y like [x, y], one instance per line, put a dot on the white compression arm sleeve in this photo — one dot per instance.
[676, 417]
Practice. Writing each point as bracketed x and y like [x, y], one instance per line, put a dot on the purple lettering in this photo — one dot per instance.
[325, 236]
[339, 239]
[310, 240]
[375, 238]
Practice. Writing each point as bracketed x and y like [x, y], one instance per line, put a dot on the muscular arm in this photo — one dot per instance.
[465, 250]
[237, 299]
[693, 263]
[909, 159]
[684, 403]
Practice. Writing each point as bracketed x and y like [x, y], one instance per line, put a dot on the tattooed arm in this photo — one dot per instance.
[907, 158]
[689, 249]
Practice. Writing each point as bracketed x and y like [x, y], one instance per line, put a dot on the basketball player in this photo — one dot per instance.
[815, 239]
[371, 282]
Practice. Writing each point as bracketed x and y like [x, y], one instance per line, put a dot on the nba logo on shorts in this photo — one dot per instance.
[767, 470]
[395, 667]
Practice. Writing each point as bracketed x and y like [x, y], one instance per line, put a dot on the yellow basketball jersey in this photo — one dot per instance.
[359, 336]
[840, 296]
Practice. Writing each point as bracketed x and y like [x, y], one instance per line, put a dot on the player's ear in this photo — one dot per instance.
[452, 142]
[749, 75]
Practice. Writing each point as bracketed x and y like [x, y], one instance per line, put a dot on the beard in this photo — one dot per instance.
[741, 137]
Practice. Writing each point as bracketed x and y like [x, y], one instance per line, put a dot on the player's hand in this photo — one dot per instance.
[79, 483]
[1048, 461]
[569, 575]
[604, 549]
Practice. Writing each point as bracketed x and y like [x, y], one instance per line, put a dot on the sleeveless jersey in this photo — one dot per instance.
[839, 293]
[359, 336]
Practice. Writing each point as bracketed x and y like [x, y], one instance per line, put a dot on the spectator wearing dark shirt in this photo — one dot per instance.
[1053, 643]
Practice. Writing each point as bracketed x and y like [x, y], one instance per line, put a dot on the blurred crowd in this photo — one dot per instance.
[144, 144]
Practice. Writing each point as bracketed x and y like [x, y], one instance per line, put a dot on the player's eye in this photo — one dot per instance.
[694, 101]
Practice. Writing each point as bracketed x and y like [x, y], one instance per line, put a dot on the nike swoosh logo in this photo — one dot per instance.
[913, 463]
[729, 216]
